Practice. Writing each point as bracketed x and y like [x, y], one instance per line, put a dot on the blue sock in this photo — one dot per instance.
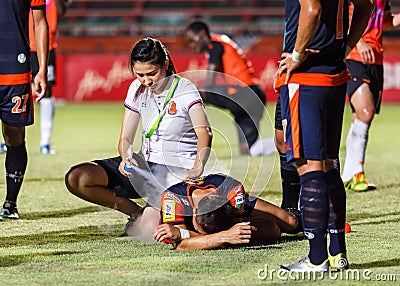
[314, 206]
[290, 183]
[16, 161]
[337, 212]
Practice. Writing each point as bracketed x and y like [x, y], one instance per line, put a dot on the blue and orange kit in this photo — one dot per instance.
[177, 205]
[14, 35]
[329, 39]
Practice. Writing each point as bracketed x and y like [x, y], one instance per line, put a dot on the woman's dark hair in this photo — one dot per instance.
[149, 50]
[215, 214]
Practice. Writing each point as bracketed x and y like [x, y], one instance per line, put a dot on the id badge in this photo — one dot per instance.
[145, 146]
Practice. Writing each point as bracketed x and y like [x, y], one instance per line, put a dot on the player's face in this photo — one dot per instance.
[196, 226]
[149, 75]
[197, 41]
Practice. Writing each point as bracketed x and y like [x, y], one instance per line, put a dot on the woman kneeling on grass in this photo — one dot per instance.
[176, 139]
[215, 211]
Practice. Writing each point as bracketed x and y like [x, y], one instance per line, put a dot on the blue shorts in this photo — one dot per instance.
[16, 106]
[312, 120]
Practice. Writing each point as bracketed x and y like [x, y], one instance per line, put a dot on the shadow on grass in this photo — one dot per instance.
[43, 179]
[383, 221]
[277, 245]
[79, 234]
[375, 264]
[60, 213]
[386, 186]
[359, 216]
[290, 238]
[14, 260]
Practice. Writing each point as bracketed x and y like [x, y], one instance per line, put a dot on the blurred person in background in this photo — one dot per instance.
[16, 102]
[54, 10]
[241, 94]
[365, 63]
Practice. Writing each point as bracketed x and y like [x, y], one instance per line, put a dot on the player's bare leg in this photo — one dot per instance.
[357, 138]
[89, 182]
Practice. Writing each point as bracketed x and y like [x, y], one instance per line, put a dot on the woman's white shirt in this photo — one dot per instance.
[174, 142]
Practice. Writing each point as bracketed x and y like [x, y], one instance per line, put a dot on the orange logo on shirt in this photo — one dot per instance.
[172, 108]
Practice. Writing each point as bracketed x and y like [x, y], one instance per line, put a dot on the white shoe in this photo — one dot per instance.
[46, 150]
[3, 148]
[305, 265]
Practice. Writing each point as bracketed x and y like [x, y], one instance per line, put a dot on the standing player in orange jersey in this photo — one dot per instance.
[54, 10]
[365, 63]
[16, 106]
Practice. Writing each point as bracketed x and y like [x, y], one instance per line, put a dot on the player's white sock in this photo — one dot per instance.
[263, 147]
[46, 119]
[356, 144]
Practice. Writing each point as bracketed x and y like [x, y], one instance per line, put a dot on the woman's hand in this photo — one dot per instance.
[125, 167]
[196, 171]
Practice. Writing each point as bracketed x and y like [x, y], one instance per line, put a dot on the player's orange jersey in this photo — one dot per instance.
[233, 61]
[52, 19]
[14, 46]
[373, 33]
[177, 205]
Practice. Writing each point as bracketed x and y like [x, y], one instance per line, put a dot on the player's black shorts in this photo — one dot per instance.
[247, 105]
[16, 107]
[51, 67]
[278, 114]
[116, 181]
[125, 187]
[365, 73]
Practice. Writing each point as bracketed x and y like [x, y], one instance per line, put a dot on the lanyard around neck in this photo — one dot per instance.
[167, 100]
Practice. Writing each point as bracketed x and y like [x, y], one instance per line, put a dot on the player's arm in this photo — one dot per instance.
[286, 220]
[62, 6]
[42, 44]
[211, 75]
[366, 52]
[172, 234]
[361, 14]
[204, 138]
[214, 64]
[390, 21]
[238, 234]
[310, 13]
[129, 127]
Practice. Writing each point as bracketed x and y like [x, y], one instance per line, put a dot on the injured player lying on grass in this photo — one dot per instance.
[215, 211]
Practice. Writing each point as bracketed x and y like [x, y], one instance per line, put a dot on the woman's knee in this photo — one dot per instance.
[72, 179]
[78, 177]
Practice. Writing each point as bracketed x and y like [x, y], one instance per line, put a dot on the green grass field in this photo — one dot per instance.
[62, 240]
